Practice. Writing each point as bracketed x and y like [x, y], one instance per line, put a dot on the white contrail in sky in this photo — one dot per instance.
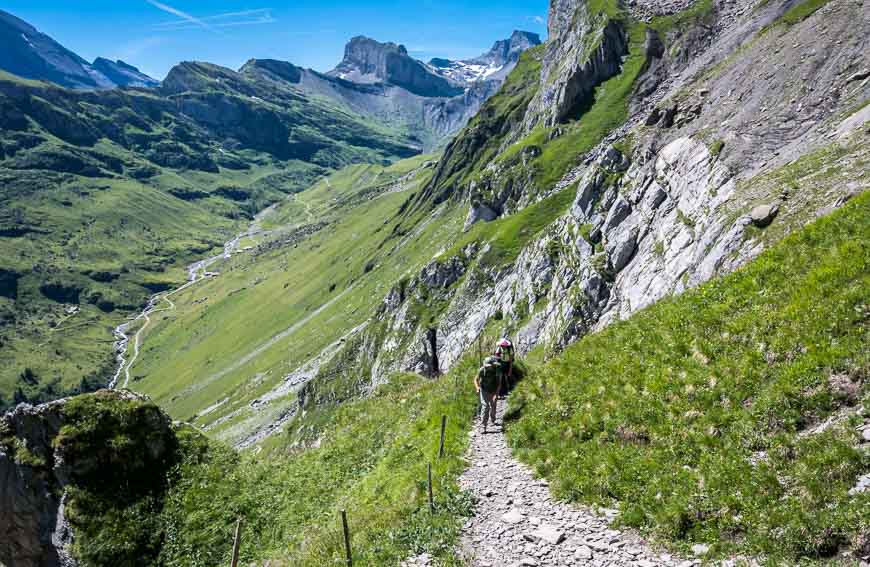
[223, 20]
[257, 12]
[179, 13]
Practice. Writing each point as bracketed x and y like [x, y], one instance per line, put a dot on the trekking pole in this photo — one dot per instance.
[237, 543]
[431, 499]
[443, 428]
[349, 560]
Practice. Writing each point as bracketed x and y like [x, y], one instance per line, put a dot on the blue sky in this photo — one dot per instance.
[154, 35]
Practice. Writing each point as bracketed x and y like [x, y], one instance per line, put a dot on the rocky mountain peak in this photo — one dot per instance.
[369, 61]
[494, 65]
[366, 60]
[507, 51]
[123, 74]
[28, 53]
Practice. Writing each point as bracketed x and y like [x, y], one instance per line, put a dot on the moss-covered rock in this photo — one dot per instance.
[84, 479]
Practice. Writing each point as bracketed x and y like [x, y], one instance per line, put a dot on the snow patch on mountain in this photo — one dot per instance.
[464, 72]
[496, 64]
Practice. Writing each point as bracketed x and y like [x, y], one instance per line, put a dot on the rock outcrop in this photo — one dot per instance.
[45, 449]
[585, 50]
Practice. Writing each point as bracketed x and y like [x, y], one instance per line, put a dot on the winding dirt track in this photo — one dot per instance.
[197, 272]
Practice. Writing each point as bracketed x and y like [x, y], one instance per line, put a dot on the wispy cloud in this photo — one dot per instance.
[540, 20]
[185, 17]
[223, 20]
[134, 48]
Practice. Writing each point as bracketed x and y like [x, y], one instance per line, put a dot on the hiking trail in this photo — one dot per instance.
[517, 522]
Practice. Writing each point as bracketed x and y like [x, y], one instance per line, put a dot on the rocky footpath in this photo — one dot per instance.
[517, 523]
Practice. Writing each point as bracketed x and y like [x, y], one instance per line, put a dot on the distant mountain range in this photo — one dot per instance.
[428, 102]
[368, 61]
[28, 53]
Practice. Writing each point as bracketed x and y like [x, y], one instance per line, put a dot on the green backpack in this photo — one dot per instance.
[490, 375]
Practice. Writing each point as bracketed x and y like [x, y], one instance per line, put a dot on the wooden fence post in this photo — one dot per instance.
[346, 538]
[431, 499]
[443, 430]
[237, 543]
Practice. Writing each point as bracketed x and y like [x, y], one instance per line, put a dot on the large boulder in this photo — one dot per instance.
[479, 212]
[622, 249]
[763, 215]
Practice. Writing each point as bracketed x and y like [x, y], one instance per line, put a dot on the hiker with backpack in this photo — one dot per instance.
[488, 383]
[505, 352]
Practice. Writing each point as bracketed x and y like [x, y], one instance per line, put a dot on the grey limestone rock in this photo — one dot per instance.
[763, 215]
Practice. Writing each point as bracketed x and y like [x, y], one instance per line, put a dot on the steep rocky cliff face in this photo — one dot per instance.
[584, 51]
[710, 166]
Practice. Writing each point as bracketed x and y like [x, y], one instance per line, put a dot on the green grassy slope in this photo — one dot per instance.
[107, 195]
[368, 457]
[696, 416]
[328, 264]
[180, 508]
[232, 340]
[661, 413]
